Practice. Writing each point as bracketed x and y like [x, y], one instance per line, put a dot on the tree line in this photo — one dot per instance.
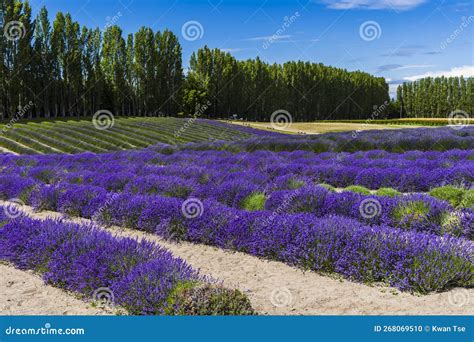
[254, 89]
[436, 97]
[63, 69]
[66, 69]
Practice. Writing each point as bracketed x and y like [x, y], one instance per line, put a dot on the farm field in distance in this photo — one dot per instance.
[326, 126]
[80, 135]
[318, 127]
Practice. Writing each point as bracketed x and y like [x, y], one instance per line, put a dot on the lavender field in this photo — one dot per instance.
[393, 208]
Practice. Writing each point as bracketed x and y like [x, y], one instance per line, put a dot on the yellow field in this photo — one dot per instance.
[319, 127]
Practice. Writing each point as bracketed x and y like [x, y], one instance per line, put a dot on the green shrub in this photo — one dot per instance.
[295, 184]
[328, 187]
[467, 200]
[254, 202]
[204, 299]
[407, 213]
[448, 193]
[451, 223]
[388, 192]
[358, 189]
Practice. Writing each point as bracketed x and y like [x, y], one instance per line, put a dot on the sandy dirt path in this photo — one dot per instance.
[278, 289]
[25, 293]
[5, 150]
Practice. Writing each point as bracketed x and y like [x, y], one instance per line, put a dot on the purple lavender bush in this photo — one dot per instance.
[144, 278]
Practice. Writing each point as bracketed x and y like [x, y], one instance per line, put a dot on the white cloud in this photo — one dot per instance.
[231, 50]
[400, 5]
[390, 67]
[264, 38]
[414, 66]
[466, 71]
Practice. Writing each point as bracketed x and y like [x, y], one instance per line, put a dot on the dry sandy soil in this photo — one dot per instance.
[273, 287]
[319, 127]
[24, 293]
[4, 150]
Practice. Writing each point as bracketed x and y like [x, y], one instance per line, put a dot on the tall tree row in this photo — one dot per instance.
[15, 71]
[61, 69]
[254, 89]
[436, 97]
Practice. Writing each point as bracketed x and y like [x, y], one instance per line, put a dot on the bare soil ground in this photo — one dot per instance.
[25, 293]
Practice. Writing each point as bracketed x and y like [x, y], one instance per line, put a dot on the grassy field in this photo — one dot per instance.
[75, 136]
[319, 127]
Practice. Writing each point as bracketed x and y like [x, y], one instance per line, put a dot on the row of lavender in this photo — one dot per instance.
[407, 172]
[139, 276]
[408, 260]
[399, 140]
[417, 212]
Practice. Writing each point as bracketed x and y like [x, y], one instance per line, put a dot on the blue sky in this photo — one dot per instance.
[397, 39]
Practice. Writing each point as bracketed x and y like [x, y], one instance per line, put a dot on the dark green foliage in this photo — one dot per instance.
[254, 89]
[73, 71]
[436, 97]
